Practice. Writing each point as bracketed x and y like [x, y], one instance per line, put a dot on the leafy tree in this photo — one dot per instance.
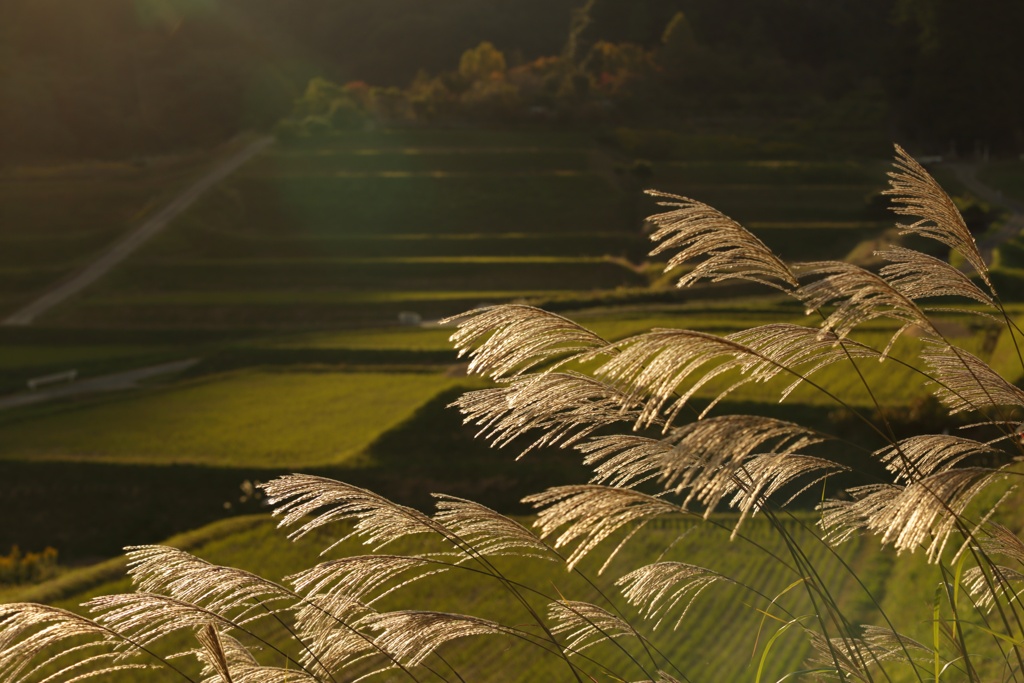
[482, 63]
[430, 97]
[618, 69]
[319, 97]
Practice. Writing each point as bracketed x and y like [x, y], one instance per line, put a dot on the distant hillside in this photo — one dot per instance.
[122, 77]
[117, 78]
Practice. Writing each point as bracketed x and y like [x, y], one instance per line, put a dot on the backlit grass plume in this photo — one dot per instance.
[916, 194]
[650, 416]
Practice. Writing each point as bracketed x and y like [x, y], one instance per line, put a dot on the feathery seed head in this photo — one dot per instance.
[965, 382]
[922, 456]
[855, 655]
[858, 296]
[487, 532]
[915, 193]
[362, 579]
[412, 635]
[509, 340]
[585, 624]
[922, 514]
[564, 407]
[224, 590]
[993, 583]
[35, 637]
[920, 276]
[226, 660]
[657, 588]
[378, 520]
[590, 514]
[730, 251]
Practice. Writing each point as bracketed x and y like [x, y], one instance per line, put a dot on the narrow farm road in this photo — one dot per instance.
[120, 249]
[117, 381]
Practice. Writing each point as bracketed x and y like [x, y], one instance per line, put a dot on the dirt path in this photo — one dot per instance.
[117, 381]
[120, 249]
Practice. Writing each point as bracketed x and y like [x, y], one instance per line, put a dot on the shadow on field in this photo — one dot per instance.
[91, 510]
[237, 358]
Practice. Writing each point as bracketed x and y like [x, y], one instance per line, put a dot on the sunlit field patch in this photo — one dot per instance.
[256, 418]
[723, 611]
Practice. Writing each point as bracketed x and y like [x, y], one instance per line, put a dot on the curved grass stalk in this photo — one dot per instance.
[304, 499]
[91, 626]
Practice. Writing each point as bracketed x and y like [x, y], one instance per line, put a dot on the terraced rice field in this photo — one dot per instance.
[356, 229]
[359, 230]
[288, 279]
[303, 260]
[803, 210]
[54, 220]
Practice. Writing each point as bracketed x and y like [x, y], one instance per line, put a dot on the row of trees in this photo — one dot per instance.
[606, 82]
[864, 65]
[122, 77]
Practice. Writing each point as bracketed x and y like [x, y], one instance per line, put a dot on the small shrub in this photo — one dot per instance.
[316, 126]
[21, 568]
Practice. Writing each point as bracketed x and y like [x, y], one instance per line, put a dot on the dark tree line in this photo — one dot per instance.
[956, 73]
[125, 77]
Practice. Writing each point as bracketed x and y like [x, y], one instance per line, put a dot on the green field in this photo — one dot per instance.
[35, 356]
[722, 612]
[746, 614]
[252, 419]
[320, 417]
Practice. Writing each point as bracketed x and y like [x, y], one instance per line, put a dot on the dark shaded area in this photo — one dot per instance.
[952, 74]
[115, 78]
[91, 510]
[236, 358]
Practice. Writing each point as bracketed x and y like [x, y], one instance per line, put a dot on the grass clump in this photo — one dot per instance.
[647, 415]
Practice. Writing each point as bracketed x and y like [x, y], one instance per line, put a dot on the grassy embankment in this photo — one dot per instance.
[724, 611]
